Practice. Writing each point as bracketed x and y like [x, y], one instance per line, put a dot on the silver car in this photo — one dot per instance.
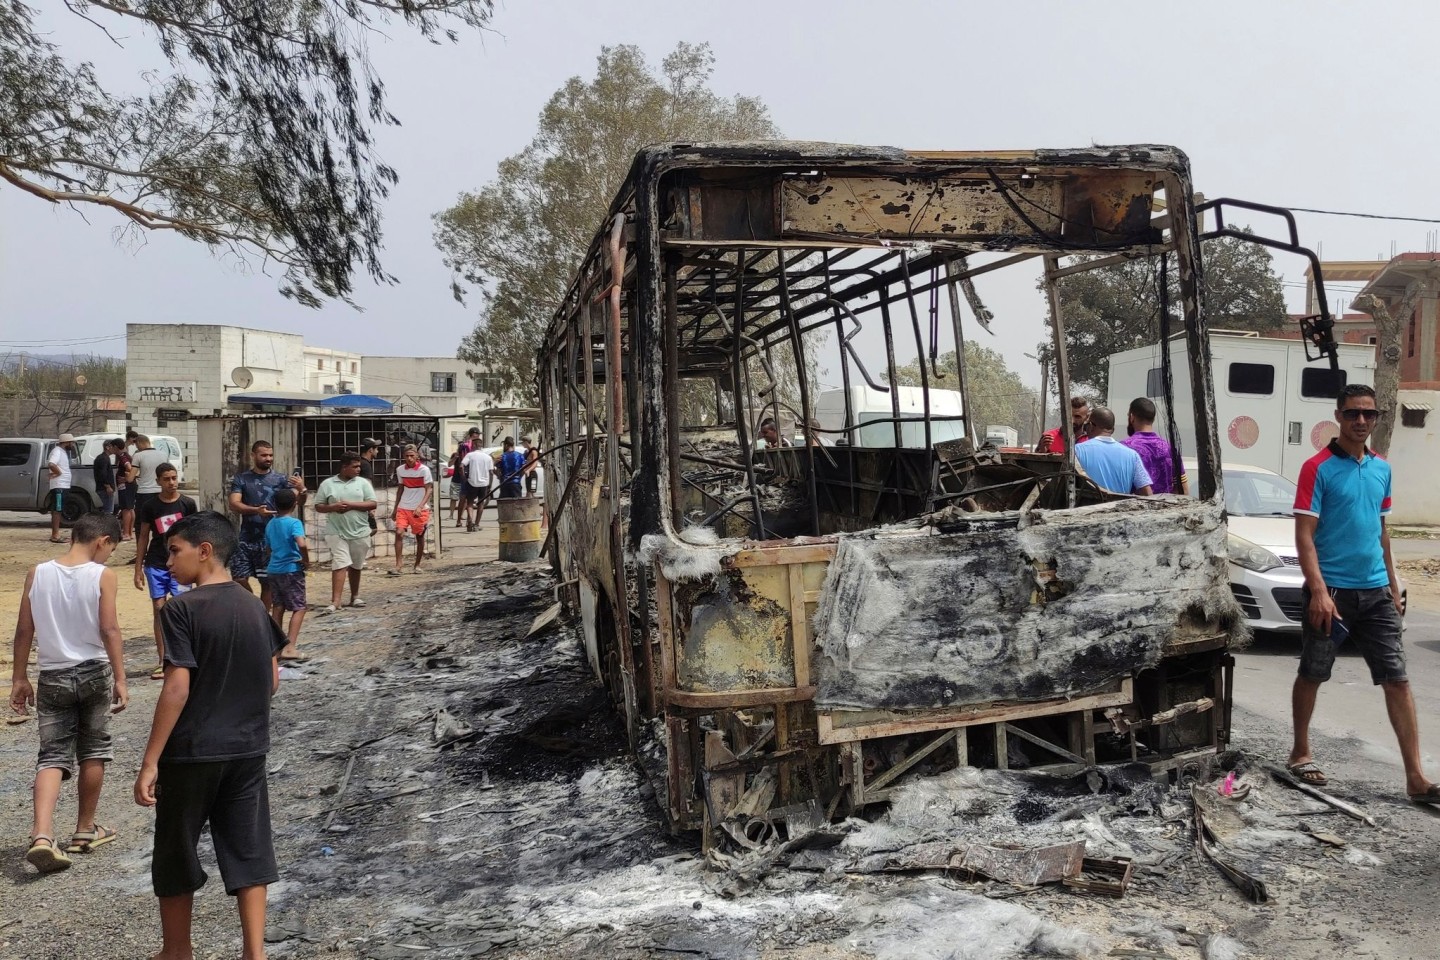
[1265, 572]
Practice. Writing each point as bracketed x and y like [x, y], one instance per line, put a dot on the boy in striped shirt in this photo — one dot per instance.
[411, 510]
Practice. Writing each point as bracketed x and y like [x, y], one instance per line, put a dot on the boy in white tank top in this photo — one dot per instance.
[67, 612]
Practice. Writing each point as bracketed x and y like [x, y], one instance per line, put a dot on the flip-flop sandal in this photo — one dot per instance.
[54, 540]
[158, 673]
[86, 841]
[1309, 773]
[43, 856]
[298, 658]
[1430, 798]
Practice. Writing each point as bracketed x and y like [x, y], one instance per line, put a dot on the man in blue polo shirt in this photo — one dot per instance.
[1107, 461]
[1351, 585]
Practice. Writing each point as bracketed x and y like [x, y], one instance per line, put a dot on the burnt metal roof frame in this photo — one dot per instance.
[1318, 330]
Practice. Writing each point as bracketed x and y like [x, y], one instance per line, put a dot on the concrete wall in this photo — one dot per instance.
[406, 382]
[1415, 462]
[189, 366]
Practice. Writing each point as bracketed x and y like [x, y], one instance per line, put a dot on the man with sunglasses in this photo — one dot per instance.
[1350, 584]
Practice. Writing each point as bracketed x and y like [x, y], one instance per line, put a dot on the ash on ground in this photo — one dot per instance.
[517, 824]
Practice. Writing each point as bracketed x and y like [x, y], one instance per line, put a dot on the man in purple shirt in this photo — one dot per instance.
[1154, 449]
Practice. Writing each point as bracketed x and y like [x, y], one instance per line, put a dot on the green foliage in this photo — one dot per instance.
[1117, 308]
[998, 397]
[40, 376]
[521, 236]
[256, 136]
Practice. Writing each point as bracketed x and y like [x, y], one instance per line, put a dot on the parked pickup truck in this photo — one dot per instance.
[25, 479]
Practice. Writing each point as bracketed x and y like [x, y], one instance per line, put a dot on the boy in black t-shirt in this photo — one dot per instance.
[155, 516]
[205, 760]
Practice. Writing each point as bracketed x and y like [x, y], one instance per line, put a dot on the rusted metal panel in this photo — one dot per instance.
[959, 208]
[1104, 208]
[736, 632]
[845, 726]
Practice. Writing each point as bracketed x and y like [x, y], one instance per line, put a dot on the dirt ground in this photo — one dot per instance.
[514, 823]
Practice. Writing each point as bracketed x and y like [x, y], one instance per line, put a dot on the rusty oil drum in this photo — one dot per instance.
[520, 533]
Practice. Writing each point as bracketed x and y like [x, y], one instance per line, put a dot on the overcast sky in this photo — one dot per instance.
[1315, 104]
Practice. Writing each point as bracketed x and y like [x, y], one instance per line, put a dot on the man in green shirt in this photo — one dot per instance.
[347, 500]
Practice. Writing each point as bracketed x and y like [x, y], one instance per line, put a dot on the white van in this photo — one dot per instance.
[868, 405]
[88, 446]
[1273, 408]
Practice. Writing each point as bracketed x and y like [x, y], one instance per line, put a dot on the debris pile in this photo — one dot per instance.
[525, 829]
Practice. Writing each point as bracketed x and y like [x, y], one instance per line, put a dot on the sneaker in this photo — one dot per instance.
[357, 602]
[393, 572]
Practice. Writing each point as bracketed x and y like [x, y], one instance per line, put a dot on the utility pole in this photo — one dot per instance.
[1044, 392]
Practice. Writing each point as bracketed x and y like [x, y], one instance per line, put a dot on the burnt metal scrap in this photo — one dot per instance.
[1059, 607]
[809, 621]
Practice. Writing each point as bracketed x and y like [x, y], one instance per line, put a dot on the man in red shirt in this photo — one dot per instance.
[1053, 441]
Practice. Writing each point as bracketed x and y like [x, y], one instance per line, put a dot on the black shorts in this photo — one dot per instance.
[143, 498]
[234, 798]
[1374, 626]
[249, 560]
[511, 490]
[126, 495]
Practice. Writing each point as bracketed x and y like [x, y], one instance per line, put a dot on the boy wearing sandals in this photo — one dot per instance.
[67, 612]
[205, 758]
[289, 559]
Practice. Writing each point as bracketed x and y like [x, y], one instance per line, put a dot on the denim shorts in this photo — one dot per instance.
[73, 704]
[1374, 626]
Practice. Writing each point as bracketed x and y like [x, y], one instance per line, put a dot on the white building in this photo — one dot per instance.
[432, 386]
[177, 371]
[331, 371]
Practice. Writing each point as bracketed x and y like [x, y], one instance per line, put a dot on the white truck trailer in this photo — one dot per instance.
[1273, 408]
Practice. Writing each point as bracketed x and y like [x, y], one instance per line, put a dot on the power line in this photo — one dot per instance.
[59, 343]
[1363, 216]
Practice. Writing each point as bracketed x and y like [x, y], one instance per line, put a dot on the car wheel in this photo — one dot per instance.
[75, 506]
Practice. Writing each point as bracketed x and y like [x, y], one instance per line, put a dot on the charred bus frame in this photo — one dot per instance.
[893, 608]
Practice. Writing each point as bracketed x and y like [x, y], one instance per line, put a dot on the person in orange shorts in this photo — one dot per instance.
[412, 508]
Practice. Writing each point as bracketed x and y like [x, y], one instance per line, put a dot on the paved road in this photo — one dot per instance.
[1405, 548]
[1350, 707]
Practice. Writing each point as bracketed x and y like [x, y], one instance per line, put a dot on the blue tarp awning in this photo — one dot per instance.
[325, 401]
[356, 401]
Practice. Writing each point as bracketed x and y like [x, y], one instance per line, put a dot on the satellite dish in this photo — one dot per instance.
[242, 377]
[80, 380]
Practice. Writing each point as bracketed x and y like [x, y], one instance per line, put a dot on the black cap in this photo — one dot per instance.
[369, 443]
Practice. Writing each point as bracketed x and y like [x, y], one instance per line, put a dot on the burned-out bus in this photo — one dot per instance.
[791, 625]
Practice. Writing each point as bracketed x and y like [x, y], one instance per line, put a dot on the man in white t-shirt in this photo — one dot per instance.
[476, 467]
[411, 510]
[145, 460]
[58, 464]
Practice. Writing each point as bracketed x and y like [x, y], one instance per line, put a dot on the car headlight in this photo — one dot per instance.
[1251, 556]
